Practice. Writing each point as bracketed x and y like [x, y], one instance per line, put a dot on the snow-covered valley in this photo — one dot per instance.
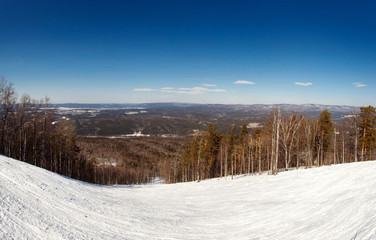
[332, 202]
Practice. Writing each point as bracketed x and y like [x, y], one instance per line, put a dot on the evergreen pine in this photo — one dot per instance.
[326, 131]
[367, 123]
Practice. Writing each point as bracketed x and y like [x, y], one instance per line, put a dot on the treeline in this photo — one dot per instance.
[286, 140]
[29, 132]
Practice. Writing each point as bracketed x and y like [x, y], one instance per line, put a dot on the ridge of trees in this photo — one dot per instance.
[286, 140]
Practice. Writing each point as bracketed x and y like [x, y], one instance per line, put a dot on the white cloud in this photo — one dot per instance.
[244, 82]
[208, 85]
[359, 84]
[193, 90]
[198, 90]
[305, 84]
[172, 90]
[143, 90]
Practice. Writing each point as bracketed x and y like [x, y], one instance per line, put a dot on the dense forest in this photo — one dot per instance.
[287, 140]
[31, 132]
[131, 160]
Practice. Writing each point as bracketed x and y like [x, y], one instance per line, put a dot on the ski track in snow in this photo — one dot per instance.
[331, 202]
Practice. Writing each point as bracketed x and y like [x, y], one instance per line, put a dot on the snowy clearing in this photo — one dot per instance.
[334, 202]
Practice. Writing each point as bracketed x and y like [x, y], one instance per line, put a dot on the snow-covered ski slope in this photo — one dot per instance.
[336, 202]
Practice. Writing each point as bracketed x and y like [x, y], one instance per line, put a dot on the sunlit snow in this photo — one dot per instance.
[333, 202]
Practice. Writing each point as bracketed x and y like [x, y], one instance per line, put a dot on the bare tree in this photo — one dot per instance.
[289, 127]
[275, 139]
[7, 102]
[23, 110]
[250, 159]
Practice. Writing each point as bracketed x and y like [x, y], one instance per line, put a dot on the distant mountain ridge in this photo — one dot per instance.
[180, 118]
[235, 107]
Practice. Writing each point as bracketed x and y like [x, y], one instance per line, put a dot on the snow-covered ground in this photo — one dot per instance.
[336, 202]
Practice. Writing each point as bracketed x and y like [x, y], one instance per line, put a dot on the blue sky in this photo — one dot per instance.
[191, 51]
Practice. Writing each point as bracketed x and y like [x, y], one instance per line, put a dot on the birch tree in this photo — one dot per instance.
[289, 127]
[275, 139]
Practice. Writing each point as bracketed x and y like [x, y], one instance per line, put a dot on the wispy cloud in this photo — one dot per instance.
[305, 84]
[244, 82]
[197, 90]
[193, 90]
[208, 85]
[359, 84]
[143, 90]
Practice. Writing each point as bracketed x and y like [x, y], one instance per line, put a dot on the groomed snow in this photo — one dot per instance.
[336, 202]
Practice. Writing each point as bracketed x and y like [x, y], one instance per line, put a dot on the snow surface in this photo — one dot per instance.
[336, 202]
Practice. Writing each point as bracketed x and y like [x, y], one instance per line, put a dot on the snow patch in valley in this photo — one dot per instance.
[253, 125]
[134, 113]
[131, 113]
[137, 134]
[336, 202]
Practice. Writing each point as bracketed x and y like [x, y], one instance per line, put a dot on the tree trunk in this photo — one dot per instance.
[24, 151]
[198, 163]
[34, 143]
[343, 147]
[232, 167]
[21, 132]
[235, 163]
[356, 147]
[249, 160]
[221, 159]
[226, 161]
[259, 156]
[364, 137]
[286, 162]
[335, 144]
[277, 141]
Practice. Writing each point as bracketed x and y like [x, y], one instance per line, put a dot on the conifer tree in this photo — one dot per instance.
[210, 149]
[367, 123]
[326, 131]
